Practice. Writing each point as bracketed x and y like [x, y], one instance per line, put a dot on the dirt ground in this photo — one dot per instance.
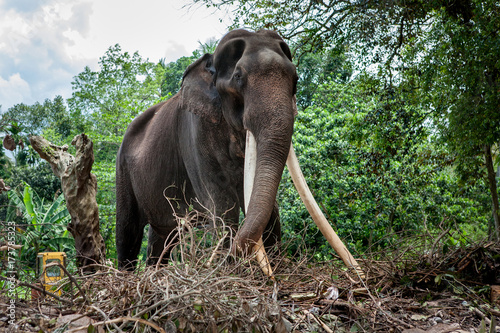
[206, 290]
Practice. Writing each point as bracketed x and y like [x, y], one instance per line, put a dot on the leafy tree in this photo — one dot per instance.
[34, 119]
[447, 52]
[41, 226]
[175, 69]
[461, 73]
[373, 164]
[103, 103]
[315, 68]
[23, 120]
[371, 28]
[108, 99]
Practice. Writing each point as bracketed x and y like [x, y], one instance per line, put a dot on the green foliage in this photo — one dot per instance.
[40, 177]
[373, 30]
[34, 119]
[174, 70]
[41, 226]
[315, 68]
[5, 164]
[22, 121]
[371, 161]
[173, 75]
[105, 101]
[460, 71]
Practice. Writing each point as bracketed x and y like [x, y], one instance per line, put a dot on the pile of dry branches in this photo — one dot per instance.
[204, 288]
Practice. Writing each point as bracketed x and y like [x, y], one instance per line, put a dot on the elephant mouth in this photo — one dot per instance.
[306, 197]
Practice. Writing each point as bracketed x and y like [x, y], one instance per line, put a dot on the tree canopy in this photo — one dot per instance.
[447, 53]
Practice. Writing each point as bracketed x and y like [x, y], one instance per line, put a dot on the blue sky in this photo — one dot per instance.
[45, 43]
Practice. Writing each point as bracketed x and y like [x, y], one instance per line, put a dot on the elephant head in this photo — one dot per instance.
[256, 82]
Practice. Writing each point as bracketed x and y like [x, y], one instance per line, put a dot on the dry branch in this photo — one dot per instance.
[3, 187]
[119, 320]
[199, 291]
[9, 247]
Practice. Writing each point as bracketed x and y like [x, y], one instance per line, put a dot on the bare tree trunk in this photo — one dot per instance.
[79, 188]
[493, 189]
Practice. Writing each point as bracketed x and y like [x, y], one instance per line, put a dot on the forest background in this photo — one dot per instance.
[398, 128]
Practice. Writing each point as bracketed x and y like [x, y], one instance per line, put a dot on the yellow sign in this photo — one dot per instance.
[50, 276]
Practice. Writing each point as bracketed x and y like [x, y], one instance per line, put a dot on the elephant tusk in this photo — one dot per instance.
[248, 180]
[317, 215]
[250, 167]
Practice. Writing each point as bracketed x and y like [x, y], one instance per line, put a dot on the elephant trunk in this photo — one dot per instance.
[272, 144]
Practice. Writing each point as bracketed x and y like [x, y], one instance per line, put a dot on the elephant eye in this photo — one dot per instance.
[238, 77]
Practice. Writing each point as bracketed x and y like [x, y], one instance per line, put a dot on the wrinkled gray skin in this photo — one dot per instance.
[192, 146]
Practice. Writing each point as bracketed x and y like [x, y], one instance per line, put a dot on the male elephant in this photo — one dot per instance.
[191, 148]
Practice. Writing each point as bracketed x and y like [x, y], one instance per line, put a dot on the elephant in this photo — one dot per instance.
[191, 148]
[220, 144]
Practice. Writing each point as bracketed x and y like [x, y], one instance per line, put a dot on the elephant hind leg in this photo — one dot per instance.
[272, 233]
[129, 227]
[128, 240]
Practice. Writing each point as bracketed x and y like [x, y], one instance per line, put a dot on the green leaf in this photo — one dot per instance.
[482, 326]
[58, 217]
[28, 200]
[51, 216]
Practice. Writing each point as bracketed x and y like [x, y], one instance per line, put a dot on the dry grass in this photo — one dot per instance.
[204, 288]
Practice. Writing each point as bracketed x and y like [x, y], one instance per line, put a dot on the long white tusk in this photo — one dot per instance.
[248, 180]
[250, 167]
[317, 215]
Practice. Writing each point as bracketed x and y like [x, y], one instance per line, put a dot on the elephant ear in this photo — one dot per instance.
[228, 53]
[198, 93]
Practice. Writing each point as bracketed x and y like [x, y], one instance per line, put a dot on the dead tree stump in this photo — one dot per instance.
[79, 187]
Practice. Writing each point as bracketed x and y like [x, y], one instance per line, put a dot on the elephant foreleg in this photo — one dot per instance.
[272, 233]
[156, 245]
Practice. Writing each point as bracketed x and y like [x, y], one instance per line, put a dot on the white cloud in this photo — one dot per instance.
[174, 50]
[13, 90]
[45, 43]
[33, 50]
[24, 6]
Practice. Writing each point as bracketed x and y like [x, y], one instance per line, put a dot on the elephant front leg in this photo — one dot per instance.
[272, 233]
[156, 247]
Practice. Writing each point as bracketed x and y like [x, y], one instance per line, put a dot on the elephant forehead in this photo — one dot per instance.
[267, 56]
[268, 62]
[262, 61]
